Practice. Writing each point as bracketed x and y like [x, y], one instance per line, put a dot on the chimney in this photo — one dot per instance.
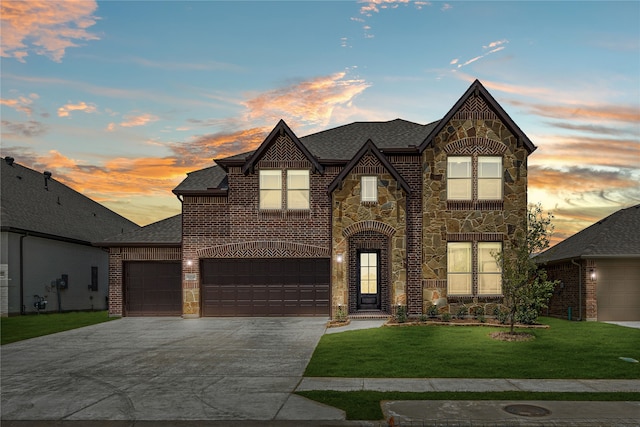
[9, 160]
[47, 177]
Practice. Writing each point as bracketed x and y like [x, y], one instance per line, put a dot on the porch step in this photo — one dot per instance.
[369, 314]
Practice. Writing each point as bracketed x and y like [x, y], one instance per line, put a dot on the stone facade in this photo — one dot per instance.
[474, 130]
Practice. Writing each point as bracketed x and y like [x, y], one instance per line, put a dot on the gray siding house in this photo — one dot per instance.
[45, 246]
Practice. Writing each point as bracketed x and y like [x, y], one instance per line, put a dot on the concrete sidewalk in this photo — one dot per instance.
[467, 384]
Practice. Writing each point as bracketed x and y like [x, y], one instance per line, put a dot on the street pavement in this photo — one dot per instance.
[242, 372]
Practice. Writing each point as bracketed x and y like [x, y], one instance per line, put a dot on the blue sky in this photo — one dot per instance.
[121, 99]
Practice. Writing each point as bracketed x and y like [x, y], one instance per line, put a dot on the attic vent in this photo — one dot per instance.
[9, 160]
[47, 177]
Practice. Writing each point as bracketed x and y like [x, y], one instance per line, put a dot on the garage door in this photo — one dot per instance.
[265, 287]
[153, 289]
[618, 290]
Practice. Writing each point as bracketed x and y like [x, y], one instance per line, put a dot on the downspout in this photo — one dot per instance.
[573, 261]
[23, 309]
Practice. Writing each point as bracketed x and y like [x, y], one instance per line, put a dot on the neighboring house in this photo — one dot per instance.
[362, 218]
[599, 270]
[47, 229]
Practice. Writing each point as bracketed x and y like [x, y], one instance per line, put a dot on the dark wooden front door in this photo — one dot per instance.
[368, 280]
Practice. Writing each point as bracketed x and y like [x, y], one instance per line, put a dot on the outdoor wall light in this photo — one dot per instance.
[592, 273]
[189, 263]
[339, 258]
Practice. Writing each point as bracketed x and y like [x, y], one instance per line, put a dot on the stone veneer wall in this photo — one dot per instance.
[234, 226]
[474, 130]
[386, 217]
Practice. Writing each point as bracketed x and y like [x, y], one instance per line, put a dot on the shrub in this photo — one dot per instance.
[401, 314]
[463, 310]
[432, 311]
[446, 317]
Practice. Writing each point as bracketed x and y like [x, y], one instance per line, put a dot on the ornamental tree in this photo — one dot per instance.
[525, 286]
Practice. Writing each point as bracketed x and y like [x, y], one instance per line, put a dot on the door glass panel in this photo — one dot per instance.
[368, 273]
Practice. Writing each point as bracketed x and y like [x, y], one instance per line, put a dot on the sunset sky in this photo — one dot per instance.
[120, 99]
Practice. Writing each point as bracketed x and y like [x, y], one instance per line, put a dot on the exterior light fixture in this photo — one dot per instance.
[339, 258]
[592, 273]
[189, 263]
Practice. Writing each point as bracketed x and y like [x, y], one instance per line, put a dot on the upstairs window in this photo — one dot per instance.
[459, 186]
[474, 178]
[270, 189]
[297, 189]
[489, 178]
[369, 189]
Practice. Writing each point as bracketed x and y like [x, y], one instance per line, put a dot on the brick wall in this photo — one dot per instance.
[576, 290]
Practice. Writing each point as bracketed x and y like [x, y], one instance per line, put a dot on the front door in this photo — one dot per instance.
[369, 280]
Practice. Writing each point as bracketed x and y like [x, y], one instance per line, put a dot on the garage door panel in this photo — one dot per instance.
[618, 289]
[153, 288]
[265, 287]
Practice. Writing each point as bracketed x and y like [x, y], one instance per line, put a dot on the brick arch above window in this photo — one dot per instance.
[370, 225]
[475, 145]
[264, 249]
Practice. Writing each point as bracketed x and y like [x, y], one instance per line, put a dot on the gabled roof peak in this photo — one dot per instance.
[369, 148]
[281, 129]
[478, 90]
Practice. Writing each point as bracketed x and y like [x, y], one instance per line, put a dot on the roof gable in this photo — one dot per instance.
[281, 129]
[165, 233]
[478, 90]
[369, 148]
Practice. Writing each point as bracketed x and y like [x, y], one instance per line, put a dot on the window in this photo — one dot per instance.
[459, 268]
[459, 178]
[464, 184]
[489, 272]
[94, 279]
[489, 178]
[369, 189]
[297, 189]
[462, 257]
[270, 189]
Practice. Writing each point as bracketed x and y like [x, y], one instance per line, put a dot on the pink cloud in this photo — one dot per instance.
[139, 120]
[80, 106]
[45, 27]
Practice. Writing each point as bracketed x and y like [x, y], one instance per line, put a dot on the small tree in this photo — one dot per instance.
[525, 286]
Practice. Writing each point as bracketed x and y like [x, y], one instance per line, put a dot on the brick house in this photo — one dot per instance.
[363, 218]
[599, 270]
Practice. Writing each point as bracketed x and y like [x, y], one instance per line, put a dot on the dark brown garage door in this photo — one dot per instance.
[265, 287]
[153, 289]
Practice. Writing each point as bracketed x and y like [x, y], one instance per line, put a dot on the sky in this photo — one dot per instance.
[121, 99]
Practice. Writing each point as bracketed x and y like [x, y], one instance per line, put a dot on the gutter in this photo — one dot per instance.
[573, 261]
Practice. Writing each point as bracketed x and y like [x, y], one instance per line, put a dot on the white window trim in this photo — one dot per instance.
[307, 189]
[365, 189]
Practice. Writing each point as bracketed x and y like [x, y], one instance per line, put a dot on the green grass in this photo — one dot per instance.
[20, 328]
[365, 405]
[565, 350]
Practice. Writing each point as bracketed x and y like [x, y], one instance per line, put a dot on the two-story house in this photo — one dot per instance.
[361, 218]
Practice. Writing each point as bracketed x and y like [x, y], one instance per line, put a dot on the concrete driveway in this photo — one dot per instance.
[164, 369]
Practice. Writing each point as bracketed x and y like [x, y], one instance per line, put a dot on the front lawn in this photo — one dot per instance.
[19, 328]
[567, 349]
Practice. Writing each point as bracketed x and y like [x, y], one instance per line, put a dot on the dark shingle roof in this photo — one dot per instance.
[57, 211]
[211, 177]
[343, 142]
[337, 144]
[166, 232]
[616, 235]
